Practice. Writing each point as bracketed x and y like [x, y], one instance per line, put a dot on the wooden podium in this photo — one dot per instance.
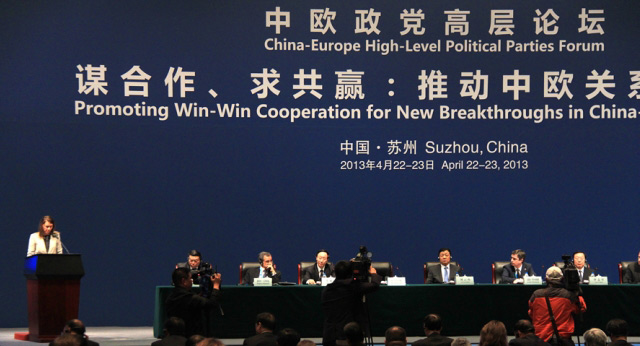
[53, 293]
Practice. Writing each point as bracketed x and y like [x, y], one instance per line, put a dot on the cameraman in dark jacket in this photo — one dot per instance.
[342, 302]
[189, 306]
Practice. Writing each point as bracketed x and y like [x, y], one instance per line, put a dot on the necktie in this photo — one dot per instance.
[322, 273]
[580, 272]
[446, 274]
[517, 273]
[262, 273]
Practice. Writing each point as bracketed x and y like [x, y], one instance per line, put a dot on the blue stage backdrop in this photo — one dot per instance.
[150, 128]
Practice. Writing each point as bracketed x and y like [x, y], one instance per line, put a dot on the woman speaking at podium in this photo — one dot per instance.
[46, 240]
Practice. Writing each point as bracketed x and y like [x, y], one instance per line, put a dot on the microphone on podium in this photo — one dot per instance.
[57, 236]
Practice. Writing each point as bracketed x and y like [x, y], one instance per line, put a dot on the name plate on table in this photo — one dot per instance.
[598, 280]
[396, 281]
[533, 280]
[464, 280]
[328, 280]
[262, 282]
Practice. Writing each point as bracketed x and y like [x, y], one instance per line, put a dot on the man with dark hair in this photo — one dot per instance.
[564, 304]
[395, 336]
[444, 272]
[173, 331]
[200, 272]
[580, 262]
[432, 327]
[288, 337]
[195, 264]
[265, 325]
[342, 302]
[515, 271]
[267, 269]
[312, 275]
[525, 335]
[76, 327]
[353, 333]
[187, 305]
[632, 273]
[618, 329]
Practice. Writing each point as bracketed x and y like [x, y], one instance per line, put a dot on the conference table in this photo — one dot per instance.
[464, 308]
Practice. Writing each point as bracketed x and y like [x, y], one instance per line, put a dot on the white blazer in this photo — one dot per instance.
[37, 246]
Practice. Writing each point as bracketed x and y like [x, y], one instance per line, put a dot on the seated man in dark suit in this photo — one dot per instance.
[354, 334]
[196, 266]
[618, 330]
[513, 273]
[525, 335]
[632, 273]
[265, 325]
[288, 337]
[432, 328]
[77, 328]
[395, 336]
[312, 275]
[580, 261]
[173, 331]
[267, 269]
[436, 273]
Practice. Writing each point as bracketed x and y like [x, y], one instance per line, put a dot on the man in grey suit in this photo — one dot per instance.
[267, 269]
[513, 273]
[445, 269]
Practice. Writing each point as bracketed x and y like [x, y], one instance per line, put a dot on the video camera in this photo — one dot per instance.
[571, 278]
[204, 269]
[202, 276]
[361, 264]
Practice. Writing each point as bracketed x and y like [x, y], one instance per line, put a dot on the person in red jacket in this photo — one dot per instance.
[564, 305]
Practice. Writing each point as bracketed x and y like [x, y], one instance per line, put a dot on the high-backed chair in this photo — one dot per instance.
[301, 266]
[622, 266]
[244, 266]
[496, 271]
[429, 264]
[383, 269]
